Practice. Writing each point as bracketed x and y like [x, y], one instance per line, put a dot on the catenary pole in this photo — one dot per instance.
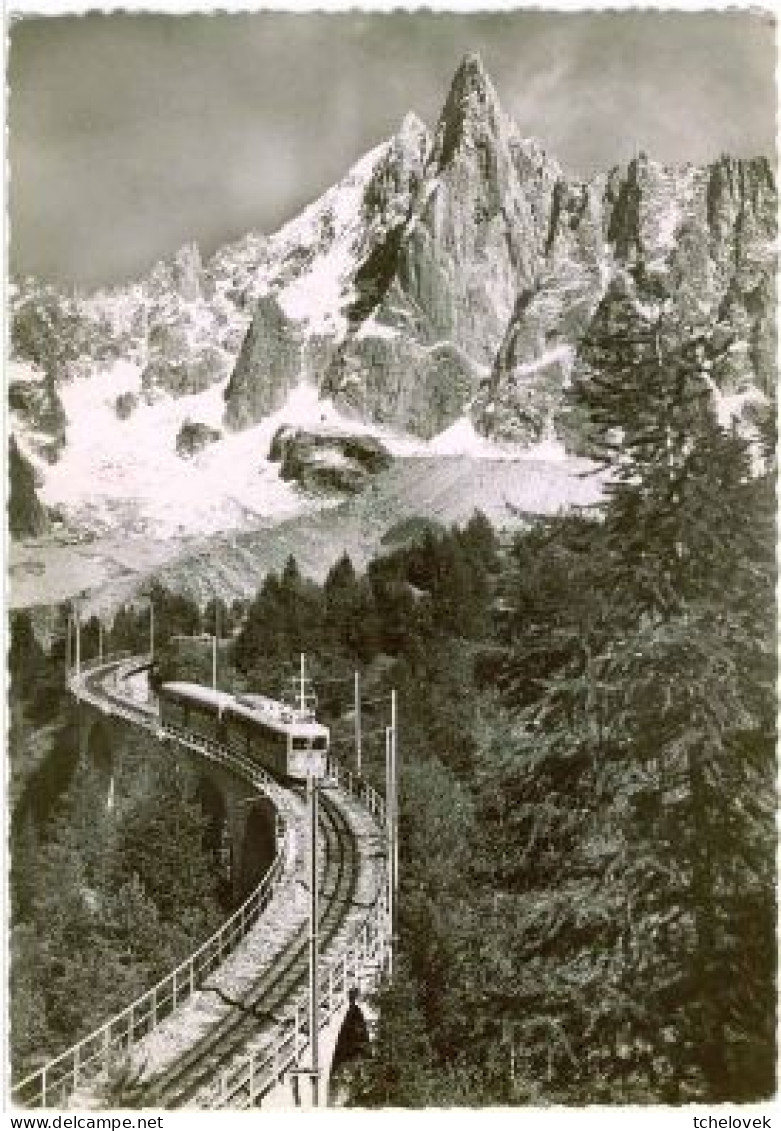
[389, 835]
[314, 987]
[214, 653]
[395, 792]
[358, 723]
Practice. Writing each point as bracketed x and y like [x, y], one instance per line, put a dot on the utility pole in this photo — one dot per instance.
[100, 641]
[303, 695]
[314, 943]
[78, 639]
[392, 821]
[214, 645]
[68, 647]
[151, 629]
[389, 835]
[395, 793]
[358, 723]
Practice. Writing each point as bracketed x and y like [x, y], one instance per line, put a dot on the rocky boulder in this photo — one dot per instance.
[182, 374]
[193, 437]
[125, 405]
[326, 459]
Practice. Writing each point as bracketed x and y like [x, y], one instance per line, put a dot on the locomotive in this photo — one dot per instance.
[287, 742]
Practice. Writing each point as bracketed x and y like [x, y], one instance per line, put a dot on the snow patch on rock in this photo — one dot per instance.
[326, 234]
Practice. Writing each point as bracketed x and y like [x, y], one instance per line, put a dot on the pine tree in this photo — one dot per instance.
[686, 759]
[162, 845]
[350, 619]
[217, 617]
[646, 385]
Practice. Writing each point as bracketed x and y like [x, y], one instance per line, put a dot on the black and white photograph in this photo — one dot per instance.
[390, 561]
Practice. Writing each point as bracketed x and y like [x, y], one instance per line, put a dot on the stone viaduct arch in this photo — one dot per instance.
[352, 1039]
[114, 718]
[242, 823]
[294, 1089]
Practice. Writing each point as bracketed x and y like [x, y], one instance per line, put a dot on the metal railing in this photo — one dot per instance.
[363, 960]
[104, 661]
[364, 957]
[52, 1084]
[105, 701]
[223, 753]
[357, 787]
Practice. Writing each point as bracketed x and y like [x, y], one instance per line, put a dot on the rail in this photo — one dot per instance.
[358, 788]
[55, 1081]
[364, 957]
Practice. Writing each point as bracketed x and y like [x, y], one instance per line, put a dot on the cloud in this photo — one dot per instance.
[130, 135]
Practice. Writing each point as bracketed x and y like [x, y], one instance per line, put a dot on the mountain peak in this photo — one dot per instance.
[472, 106]
[412, 140]
[471, 84]
[471, 69]
[412, 128]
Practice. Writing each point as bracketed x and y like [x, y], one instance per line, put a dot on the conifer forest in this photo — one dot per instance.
[587, 747]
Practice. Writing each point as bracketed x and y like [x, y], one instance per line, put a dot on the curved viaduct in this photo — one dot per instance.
[231, 1025]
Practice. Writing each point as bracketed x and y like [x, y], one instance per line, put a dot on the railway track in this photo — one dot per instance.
[265, 1029]
[275, 989]
[96, 688]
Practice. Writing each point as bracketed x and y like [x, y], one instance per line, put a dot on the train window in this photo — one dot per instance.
[305, 744]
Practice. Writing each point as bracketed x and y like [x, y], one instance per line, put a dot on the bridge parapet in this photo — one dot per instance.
[360, 961]
[360, 964]
[54, 1083]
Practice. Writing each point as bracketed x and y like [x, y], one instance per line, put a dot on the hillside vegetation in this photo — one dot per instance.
[587, 741]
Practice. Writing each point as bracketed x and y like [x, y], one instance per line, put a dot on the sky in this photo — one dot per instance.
[132, 135]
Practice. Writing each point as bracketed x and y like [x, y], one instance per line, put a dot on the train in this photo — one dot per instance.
[287, 742]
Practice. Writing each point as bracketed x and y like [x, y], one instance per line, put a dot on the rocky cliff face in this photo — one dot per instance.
[36, 411]
[273, 358]
[395, 288]
[450, 274]
[703, 237]
[462, 276]
[27, 517]
[181, 328]
[444, 290]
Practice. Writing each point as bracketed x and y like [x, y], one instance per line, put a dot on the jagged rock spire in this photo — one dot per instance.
[471, 108]
[471, 79]
[413, 129]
